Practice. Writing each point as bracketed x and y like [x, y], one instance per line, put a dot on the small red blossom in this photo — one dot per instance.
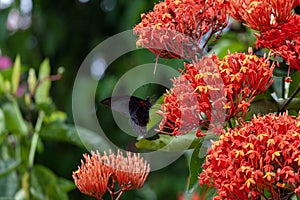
[193, 196]
[260, 14]
[256, 159]
[213, 90]
[174, 28]
[283, 40]
[94, 175]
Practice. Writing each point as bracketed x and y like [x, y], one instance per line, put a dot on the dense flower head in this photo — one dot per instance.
[94, 175]
[187, 105]
[131, 171]
[284, 40]
[213, 90]
[175, 27]
[260, 158]
[244, 76]
[261, 14]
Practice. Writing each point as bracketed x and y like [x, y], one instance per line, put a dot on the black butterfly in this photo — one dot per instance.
[135, 108]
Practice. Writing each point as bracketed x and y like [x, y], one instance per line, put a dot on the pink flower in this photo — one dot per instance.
[5, 62]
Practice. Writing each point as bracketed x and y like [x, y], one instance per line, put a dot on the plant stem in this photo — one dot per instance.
[289, 100]
[120, 194]
[55, 77]
[35, 139]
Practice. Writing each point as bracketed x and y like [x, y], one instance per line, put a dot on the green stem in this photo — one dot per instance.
[35, 139]
[289, 100]
[119, 195]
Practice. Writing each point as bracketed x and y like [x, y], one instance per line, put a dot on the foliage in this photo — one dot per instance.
[27, 114]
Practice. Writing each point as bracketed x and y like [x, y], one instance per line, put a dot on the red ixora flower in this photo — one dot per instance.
[260, 158]
[261, 14]
[94, 175]
[175, 28]
[283, 40]
[213, 90]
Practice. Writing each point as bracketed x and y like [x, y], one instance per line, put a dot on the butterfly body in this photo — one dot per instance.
[139, 110]
[135, 108]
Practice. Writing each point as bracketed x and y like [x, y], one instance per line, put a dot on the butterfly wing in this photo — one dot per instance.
[118, 103]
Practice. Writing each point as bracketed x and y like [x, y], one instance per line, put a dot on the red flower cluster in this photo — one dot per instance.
[261, 14]
[278, 26]
[244, 76]
[175, 27]
[92, 178]
[284, 40]
[260, 158]
[213, 90]
[188, 104]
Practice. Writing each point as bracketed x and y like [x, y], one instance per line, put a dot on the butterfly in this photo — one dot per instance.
[135, 108]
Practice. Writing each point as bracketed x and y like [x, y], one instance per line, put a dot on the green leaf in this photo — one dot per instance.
[293, 105]
[65, 185]
[2, 88]
[209, 192]
[15, 78]
[169, 143]
[262, 106]
[7, 86]
[59, 131]
[155, 118]
[195, 167]
[7, 166]
[280, 72]
[44, 184]
[295, 84]
[221, 48]
[9, 185]
[13, 118]
[295, 197]
[31, 80]
[55, 116]
[2, 122]
[42, 92]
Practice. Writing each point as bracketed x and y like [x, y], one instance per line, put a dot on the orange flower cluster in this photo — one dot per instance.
[175, 28]
[284, 40]
[260, 158]
[92, 178]
[214, 90]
